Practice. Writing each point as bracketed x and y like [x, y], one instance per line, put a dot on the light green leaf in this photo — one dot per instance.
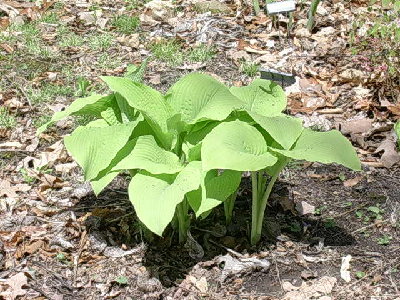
[99, 184]
[97, 123]
[198, 97]
[192, 142]
[235, 146]
[214, 190]
[136, 73]
[112, 115]
[397, 129]
[324, 147]
[95, 147]
[282, 128]
[148, 101]
[128, 113]
[106, 175]
[92, 105]
[155, 197]
[147, 155]
[263, 97]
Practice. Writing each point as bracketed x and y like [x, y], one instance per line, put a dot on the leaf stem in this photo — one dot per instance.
[228, 207]
[254, 208]
[183, 220]
[311, 14]
[256, 6]
[260, 202]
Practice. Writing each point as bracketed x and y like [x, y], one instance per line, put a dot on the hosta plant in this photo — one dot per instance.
[157, 138]
[262, 140]
[187, 149]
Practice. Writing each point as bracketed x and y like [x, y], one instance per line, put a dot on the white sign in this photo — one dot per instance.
[281, 7]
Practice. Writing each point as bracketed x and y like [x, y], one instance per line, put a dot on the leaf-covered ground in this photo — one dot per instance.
[57, 241]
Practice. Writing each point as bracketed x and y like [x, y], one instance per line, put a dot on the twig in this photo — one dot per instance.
[278, 274]
[369, 226]
[237, 254]
[76, 257]
[330, 111]
[351, 210]
[121, 217]
[393, 284]
[25, 95]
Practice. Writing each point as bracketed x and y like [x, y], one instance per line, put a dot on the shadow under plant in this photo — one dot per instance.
[112, 224]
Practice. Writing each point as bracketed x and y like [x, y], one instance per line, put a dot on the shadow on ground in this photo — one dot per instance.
[112, 216]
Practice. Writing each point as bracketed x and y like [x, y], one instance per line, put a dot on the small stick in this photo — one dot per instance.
[237, 254]
[369, 226]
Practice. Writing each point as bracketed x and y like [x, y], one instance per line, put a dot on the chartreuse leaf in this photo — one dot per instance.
[128, 113]
[136, 73]
[155, 197]
[192, 142]
[324, 147]
[92, 105]
[109, 173]
[397, 129]
[97, 123]
[147, 155]
[263, 97]
[235, 146]
[214, 190]
[95, 147]
[148, 101]
[99, 184]
[199, 97]
[282, 128]
[112, 114]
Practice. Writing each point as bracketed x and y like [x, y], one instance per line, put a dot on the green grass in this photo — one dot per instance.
[62, 30]
[48, 93]
[106, 62]
[29, 36]
[50, 17]
[6, 120]
[249, 68]
[27, 30]
[100, 41]
[126, 24]
[169, 51]
[36, 48]
[71, 40]
[40, 120]
[201, 53]
[134, 4]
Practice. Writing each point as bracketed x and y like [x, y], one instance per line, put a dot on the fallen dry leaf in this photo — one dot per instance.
[344, 268]
[7, 48]
[6, 189]
[156, 79]
[50, 181]
[24, 249]
[315, 289]
[352, 182]
[16, 284]
[390, 155]
[356, 126]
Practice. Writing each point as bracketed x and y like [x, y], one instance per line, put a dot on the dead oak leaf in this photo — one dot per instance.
[16, 284]
[29, 249]
[353, 181]
[390, 155]
[7, 190]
